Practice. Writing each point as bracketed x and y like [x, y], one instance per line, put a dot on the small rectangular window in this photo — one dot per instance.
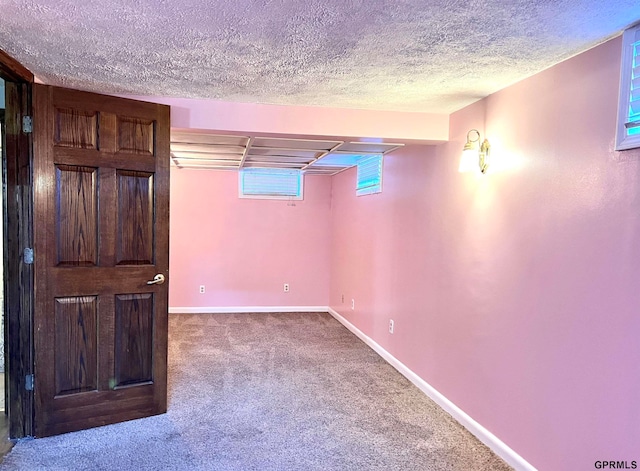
[369, 176]
[270, 183]
[628, 132]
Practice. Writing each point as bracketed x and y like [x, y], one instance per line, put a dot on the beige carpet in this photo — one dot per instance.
[272, 392]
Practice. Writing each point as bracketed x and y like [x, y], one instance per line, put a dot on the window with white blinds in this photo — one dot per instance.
[270, 183]
[628, 133]
[369, 178]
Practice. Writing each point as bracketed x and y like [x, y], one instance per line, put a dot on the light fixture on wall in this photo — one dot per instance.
[475, 153]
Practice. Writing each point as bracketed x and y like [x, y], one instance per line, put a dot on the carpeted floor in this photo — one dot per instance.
[271, 392]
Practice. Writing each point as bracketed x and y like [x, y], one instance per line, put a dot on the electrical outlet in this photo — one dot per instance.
[201, 289]
[286, 287]
[391, 326]
[342, 299]
[353, 304]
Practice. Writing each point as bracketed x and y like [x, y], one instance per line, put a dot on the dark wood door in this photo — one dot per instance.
[101, 231]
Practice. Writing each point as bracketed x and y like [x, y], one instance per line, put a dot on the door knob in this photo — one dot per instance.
[157, 280]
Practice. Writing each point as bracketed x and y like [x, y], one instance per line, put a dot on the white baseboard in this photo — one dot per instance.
[245, 309]
[486, 437]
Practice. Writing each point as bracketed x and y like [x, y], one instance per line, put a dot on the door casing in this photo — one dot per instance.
[18, 235]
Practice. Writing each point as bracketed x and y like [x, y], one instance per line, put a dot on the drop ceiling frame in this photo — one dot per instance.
[227, 152]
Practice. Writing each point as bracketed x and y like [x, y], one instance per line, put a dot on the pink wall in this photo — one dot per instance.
[515, 294]
[244, 250]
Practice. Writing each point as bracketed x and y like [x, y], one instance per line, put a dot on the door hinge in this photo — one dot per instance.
[28, 382]
[27, 256]
[27, 124]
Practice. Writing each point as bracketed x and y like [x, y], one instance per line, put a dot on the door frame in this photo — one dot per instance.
[18, 279]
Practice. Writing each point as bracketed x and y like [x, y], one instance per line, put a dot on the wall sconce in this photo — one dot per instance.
[474, 153]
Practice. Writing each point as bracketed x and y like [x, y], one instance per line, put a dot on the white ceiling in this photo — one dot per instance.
[410, 55]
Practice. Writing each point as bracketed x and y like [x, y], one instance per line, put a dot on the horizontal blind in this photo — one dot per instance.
[633, 117]
[270, 182]
[369, 178]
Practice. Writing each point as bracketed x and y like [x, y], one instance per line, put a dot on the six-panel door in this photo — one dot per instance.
[101, 178]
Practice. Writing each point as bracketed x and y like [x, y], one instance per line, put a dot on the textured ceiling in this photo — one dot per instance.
[412, 55]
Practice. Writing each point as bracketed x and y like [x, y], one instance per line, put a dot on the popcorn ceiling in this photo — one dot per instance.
[406, 55]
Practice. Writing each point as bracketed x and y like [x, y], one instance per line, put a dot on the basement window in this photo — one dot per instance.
[628, 132]
[369, 178]
[269, 183]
